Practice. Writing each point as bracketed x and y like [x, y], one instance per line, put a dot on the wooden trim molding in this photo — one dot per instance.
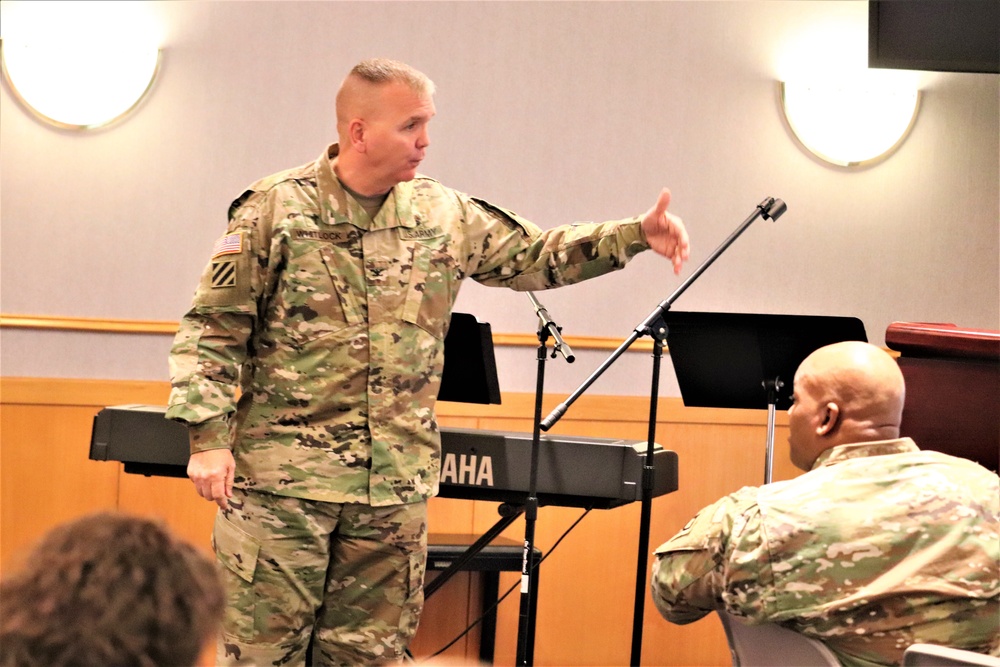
[160, 327]
[515, 405]
[62, 323]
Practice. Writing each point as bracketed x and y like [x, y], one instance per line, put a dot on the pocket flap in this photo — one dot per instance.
[235, 549]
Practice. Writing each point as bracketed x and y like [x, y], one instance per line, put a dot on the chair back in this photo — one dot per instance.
[771, 645]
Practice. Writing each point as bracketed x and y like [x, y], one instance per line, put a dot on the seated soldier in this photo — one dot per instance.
[878, 546]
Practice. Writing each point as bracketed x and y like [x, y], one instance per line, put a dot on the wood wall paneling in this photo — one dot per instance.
[586, 584]
[45, 475]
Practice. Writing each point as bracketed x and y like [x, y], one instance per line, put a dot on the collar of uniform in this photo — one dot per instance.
[338, 207]
[335, 204]
[396, 211]
[857, 450]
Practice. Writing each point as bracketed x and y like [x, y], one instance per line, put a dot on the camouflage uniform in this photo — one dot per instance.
[331, 324]
[879, 546]
[283, 574]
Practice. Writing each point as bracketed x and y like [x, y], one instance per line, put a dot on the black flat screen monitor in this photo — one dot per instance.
[934, 35]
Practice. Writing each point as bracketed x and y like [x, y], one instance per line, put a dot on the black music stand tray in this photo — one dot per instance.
[736, 360]
[470, 366]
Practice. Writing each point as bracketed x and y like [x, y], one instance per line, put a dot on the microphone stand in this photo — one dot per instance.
[656, 327]
[772, 386]
[525, 628]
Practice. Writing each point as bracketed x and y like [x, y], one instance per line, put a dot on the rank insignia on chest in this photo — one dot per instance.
[224, 274]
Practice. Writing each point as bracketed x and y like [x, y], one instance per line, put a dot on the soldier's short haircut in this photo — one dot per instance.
[383, 70]
[110, 590]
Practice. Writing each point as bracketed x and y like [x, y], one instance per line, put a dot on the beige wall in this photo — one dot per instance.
[560, 111]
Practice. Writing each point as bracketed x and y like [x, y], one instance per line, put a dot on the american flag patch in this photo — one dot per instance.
[230, 244]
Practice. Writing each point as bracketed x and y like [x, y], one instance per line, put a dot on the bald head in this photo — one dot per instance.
[845, 392]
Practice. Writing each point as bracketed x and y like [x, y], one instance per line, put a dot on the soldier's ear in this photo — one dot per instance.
[829, 417]
[357, 133]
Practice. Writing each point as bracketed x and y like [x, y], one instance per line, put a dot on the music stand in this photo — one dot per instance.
[748, 360]
[470, 366]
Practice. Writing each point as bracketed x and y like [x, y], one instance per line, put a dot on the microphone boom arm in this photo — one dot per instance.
[769, 209]
[553, 329]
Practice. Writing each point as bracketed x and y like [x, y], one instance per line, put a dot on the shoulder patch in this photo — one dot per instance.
[230, 244]
[224, 274]
[239, 201]
[496, 210]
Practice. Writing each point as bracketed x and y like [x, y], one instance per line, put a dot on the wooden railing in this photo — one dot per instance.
[164, 327]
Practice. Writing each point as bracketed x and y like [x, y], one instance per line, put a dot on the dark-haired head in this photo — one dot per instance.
[110, 590]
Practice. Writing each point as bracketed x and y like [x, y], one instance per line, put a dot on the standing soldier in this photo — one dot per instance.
[325, 306]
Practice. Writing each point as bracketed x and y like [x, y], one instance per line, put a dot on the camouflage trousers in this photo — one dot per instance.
[346, 579]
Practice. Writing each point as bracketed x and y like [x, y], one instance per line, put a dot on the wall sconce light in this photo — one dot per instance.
[835, 106]
[850, 123]
[79, 65]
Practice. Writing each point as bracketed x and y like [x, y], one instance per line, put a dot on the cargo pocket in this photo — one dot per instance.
[410, 613]
[237, 552]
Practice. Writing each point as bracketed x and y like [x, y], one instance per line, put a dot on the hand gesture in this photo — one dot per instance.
[665, 232]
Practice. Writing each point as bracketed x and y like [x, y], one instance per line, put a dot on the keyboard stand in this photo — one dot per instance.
[490, 554]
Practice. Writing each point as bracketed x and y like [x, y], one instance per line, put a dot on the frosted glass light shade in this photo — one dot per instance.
[849, 124]
[80, 84]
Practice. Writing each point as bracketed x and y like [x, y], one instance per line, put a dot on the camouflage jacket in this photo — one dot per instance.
[879, 546]
[330, 327]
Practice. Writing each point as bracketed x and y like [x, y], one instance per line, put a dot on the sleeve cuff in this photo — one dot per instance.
[213, 434]
[637, 221]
